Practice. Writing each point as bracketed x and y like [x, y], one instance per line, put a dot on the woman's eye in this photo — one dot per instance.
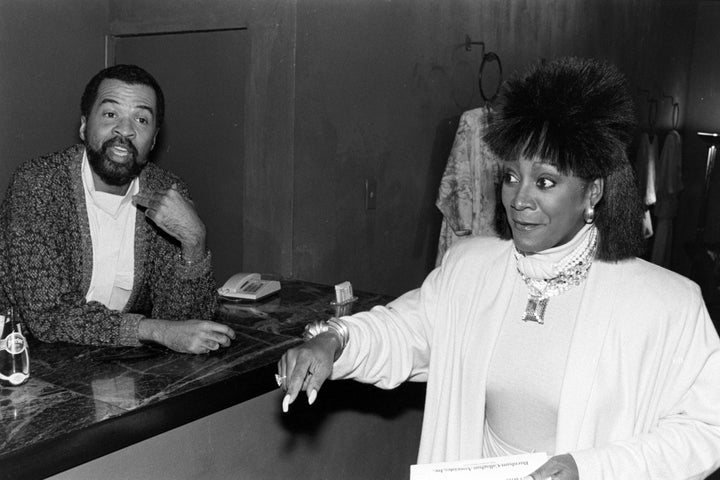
[509, 177]
[142, 120]
[109, 114]
[545, 183]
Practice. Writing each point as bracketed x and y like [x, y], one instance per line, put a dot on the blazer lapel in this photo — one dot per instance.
[596, 311]
[142, 225]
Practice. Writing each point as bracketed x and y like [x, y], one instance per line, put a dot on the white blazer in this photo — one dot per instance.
[641, 392]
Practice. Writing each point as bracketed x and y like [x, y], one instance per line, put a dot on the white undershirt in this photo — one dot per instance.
[527, 370]
[112, 229]
[528, 363]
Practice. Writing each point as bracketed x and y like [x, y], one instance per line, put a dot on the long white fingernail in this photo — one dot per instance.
[286, 403]
[312, 396]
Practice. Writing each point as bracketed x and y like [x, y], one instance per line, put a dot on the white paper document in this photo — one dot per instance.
[513, 467]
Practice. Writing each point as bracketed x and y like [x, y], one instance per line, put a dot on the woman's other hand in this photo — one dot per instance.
[559, 467]
[306, 367]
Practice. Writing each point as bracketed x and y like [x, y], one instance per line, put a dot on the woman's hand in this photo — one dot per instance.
[306, 367]
[559, 467]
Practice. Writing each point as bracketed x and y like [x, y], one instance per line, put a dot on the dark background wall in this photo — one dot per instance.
[380, 87]
[337, 93]
[48, 51]
[703, 115]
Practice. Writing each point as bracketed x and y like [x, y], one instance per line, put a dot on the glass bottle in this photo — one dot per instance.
[14, 353]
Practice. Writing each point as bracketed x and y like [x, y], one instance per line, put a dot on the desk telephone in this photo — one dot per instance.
[248, 286]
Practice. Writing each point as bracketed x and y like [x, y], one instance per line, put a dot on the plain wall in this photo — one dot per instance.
[48, 52]
[379, 89]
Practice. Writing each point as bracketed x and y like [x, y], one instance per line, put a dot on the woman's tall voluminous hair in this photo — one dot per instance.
[577, 115]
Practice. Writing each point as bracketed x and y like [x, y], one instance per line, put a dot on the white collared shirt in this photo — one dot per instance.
[112, 229]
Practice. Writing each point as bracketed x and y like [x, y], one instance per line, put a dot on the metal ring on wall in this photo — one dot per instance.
[490, 57]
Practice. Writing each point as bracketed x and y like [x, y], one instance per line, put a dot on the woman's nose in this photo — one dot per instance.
[522, 199]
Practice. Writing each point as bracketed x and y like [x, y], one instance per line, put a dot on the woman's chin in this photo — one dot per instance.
[525, 244]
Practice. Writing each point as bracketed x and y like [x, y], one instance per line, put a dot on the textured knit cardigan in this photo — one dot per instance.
[46, 259]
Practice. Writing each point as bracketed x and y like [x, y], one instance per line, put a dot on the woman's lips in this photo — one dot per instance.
[524, 225]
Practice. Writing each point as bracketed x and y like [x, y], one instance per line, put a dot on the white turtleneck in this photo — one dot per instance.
[529, 359]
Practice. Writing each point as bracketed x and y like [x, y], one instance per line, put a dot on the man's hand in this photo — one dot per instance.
[176, 216]
[188, 336]
[559, 467]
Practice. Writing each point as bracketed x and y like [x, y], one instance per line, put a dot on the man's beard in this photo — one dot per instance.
[110, 171]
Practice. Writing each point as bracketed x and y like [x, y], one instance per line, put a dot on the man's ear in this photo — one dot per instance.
[154, 139]
[596, 190]
[83, 126]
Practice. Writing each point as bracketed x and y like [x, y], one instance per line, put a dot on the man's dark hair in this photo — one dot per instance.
[131, 74]
[577, 115]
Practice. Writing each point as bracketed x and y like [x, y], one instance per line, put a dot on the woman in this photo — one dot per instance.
[554, 337]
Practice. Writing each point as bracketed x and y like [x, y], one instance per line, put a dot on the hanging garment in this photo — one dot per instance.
[668, 184]
[466, 196]
[646, 160]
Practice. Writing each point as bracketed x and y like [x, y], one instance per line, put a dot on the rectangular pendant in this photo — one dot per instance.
[535, 310]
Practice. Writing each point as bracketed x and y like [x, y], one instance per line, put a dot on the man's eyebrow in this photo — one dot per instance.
[109, 100]
[145, 107]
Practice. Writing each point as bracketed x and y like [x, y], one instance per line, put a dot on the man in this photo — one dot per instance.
[102, 247]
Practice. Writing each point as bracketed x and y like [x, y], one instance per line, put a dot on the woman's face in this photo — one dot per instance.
[544, 207]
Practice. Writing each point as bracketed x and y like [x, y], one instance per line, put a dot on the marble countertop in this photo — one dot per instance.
[83, 402]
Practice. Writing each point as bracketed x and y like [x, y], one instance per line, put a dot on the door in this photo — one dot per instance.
[203, 77]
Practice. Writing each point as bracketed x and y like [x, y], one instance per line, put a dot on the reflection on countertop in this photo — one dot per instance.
[287, 313]
[74, 389]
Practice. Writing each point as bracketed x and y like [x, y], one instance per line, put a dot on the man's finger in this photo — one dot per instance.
[221, 328]
[147, 200]
[221, 339]
[141, 199]
[151, 214]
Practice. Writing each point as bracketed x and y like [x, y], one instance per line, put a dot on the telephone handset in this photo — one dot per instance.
[248, 286]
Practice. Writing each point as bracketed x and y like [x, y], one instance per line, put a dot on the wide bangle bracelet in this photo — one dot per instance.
[333, 325]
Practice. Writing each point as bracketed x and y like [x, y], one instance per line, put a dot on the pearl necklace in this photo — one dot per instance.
[572, 270]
